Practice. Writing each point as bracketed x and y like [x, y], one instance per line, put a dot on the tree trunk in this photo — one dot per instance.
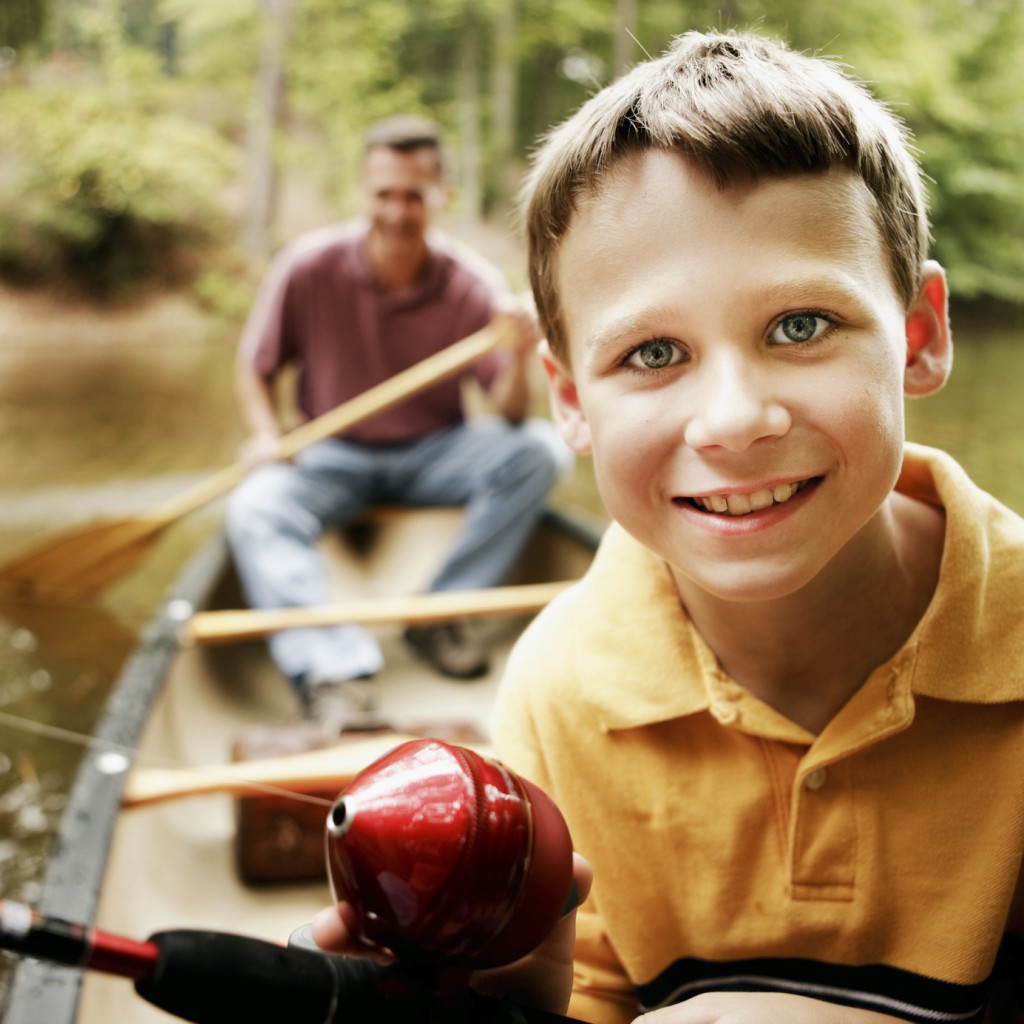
[470, 175]
[262, 186]
[504, 103]
[624, 49]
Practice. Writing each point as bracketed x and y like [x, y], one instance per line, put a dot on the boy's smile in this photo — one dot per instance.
[737, 370]
[744, 504]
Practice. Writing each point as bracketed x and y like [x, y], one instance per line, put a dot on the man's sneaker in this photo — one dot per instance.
[449, 649]
[341, 705]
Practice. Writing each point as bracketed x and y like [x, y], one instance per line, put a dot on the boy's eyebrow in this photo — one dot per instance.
[629, 324]
[840, 285]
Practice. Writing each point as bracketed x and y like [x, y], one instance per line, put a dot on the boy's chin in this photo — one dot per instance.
[747, 583]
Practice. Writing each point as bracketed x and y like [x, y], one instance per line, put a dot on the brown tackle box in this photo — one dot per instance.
[279, 837]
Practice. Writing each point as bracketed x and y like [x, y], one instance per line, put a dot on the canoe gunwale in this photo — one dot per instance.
[77, 863]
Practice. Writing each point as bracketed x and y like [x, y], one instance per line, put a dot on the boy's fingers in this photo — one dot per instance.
[334, 930]
[582, 875]
[329, 931]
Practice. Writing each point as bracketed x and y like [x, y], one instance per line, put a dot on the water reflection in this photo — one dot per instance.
[56, 667]
[978, 417]
[141, 406]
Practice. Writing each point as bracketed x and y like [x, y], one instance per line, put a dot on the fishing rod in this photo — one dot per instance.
[214, 977]
[477, 883]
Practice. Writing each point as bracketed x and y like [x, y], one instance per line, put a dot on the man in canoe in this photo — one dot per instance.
[783, 713]
[347, 307]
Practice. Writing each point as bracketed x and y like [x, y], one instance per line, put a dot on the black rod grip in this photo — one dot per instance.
[213, 977]
[220, 978]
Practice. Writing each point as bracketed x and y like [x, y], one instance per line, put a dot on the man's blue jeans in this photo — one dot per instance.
[500, 473]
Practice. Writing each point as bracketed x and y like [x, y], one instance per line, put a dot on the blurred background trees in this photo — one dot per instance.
[148, 140]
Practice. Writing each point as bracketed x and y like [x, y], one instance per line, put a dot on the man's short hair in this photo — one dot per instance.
[740, 106]
[406, 134]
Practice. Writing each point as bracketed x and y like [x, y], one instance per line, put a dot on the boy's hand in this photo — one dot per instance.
[760, 1008]
[334, 931]
[542, 979]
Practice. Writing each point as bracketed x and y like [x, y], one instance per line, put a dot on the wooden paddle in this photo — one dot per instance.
[328, 769]
[228, 626]
[85, 560]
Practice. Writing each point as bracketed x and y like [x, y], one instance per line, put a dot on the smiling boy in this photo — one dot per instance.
[784, 712]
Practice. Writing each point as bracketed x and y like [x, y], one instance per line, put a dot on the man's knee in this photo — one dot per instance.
[550, 457]
[262, 505]
[536, 460]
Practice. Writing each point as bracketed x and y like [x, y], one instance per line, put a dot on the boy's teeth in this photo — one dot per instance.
[739, 504]
[742, 504]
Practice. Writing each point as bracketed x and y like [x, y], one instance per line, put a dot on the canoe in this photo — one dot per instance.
[133, 863]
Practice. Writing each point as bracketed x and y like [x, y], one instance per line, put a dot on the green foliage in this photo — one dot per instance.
[950, 69]
[80, 173]
[103, 191]
[968, 116]
[21, 22]
[227, 288]
[347, 71]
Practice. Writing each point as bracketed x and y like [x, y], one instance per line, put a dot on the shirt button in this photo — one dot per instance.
[816, 779]
[725, 713]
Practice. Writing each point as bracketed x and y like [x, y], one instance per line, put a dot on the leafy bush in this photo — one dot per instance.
[104, 193]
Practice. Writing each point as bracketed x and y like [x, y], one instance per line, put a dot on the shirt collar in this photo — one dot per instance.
[975, 610]
[426, 286]
[652, 651]
[969, 645]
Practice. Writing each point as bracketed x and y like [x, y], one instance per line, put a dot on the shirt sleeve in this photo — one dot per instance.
[267, 344]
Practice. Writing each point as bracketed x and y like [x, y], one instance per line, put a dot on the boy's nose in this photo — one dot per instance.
[736, 406]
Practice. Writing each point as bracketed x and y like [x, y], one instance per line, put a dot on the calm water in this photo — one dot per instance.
[101, 416]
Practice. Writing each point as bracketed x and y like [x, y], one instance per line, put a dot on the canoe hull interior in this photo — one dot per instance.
[173, 864]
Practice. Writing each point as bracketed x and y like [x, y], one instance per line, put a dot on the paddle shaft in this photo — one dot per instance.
[443, 606]
[404, 385]
[83, 561]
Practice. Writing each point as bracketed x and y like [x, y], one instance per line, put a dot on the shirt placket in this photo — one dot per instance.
[823, 835]
[821, 830]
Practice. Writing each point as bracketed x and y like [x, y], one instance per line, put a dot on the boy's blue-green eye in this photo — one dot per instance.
[656, 354]
[800, 327]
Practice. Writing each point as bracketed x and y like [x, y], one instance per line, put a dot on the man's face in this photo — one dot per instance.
[737, 369]
[403, 193]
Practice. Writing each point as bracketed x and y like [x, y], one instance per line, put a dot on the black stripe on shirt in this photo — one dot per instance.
[883, 989]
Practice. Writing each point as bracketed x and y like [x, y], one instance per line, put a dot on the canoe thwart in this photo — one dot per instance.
[445, 606]
[323, 769]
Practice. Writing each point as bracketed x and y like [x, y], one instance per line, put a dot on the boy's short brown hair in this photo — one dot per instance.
[740, 105]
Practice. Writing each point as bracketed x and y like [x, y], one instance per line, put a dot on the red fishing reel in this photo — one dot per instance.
[448, 856]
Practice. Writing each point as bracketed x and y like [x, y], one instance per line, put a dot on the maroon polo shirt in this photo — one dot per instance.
[321, 310]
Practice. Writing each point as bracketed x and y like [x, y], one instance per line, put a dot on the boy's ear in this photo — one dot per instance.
[929, 342]
[566, 410]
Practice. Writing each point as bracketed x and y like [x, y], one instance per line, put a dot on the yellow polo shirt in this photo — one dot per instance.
[877, 864]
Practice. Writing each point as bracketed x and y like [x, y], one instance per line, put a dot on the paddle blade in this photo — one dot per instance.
[83, 561]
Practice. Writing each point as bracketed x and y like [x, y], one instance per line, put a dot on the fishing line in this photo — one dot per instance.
[130, 754]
